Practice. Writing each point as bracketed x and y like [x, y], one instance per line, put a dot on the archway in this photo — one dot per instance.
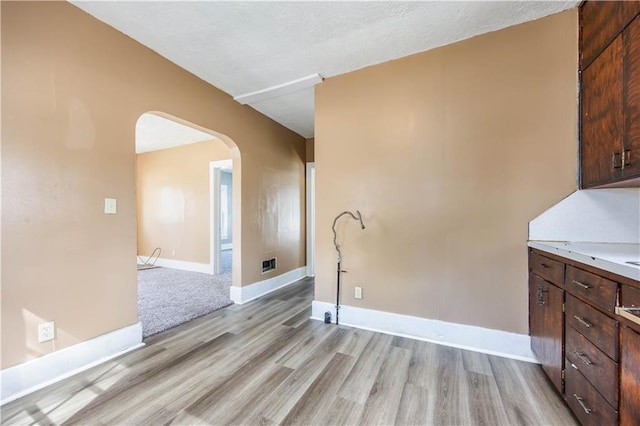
[178, 189]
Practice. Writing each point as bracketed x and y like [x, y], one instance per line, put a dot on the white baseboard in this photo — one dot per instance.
[250, 292]
[227, 246]
[32, 375]
[205, 268]
[477, 339]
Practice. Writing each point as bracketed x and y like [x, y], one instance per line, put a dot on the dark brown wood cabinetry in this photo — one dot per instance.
[630, 378]
[590, 353]
[610, 92]
[546, 326]
[600, 23]
[631, 96]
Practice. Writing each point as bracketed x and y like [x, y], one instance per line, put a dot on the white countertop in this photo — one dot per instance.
[610, 257]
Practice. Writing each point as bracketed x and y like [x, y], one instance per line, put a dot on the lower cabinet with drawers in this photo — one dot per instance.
[591, 354]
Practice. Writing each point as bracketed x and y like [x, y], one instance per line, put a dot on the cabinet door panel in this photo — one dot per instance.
[601, 22]
[546, 326]
[631, 40]
[630, 377]
[602, 117]
[536, 315]
[553, 331]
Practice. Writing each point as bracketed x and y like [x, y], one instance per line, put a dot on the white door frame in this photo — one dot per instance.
[311, 218]
[215, 169]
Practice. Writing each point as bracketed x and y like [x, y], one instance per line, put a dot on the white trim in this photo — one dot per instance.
[250, 292]
[279, 90]
[226, 246]
[477, 339]
[215, 169]
[214, 229]
[311, 218]
[32, 375]
[183, 265]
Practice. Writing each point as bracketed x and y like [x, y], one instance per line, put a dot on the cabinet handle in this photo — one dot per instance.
[583, 358]
[583, 322]
[583, 285]
[584, 407]
[616, 164]
[626, 158]
[540, 296]
[544, 265]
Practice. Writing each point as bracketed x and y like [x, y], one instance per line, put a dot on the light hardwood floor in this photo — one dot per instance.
[266, 362]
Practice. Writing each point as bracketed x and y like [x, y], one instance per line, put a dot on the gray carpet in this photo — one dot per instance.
[170, 297]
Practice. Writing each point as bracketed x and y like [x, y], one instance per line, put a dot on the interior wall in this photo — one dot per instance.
[72, 91]
[172, 187]
[448, 154]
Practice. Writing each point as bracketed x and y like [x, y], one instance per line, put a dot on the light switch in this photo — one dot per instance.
[110, 206]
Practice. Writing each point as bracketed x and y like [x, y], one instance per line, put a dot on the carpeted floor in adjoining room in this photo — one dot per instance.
[170, 297]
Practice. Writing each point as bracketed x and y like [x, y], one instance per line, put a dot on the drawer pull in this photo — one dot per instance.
[583, 322]
[583, 285]
[584, 407]
[583, 358]
[544, 265]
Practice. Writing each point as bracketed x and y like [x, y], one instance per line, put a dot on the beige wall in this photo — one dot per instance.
[448, 154]
[172, 187]
[72, 91]
[311, 150]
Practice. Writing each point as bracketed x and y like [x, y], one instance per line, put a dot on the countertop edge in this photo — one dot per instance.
[627, 271]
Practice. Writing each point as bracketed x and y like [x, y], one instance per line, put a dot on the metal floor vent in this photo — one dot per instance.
[268, 265]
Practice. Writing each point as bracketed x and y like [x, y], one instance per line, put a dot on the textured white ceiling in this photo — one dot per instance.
[154, 132]
[242, 47]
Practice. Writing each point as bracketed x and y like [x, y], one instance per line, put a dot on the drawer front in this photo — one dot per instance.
[600, 291]
[600, 370]
[629, 296]
[585, 401]
[601, 330]
[549, 269]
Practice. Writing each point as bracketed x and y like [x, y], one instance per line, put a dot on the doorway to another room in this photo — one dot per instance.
[184, 191]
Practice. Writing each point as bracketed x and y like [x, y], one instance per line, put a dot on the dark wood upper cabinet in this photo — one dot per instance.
[631, 42]
[600, 23]
[601, 119]
[610, 92]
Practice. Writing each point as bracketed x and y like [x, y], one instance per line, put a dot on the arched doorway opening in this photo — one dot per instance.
[187, 189]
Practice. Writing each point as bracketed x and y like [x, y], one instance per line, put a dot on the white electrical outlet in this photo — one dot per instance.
[358, 294]
[46, 331]
[173, 253]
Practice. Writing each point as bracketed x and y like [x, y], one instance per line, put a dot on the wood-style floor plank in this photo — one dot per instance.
[384, 398]
[266, 363]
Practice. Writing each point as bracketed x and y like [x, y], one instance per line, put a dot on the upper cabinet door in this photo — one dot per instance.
[631, 41]
[602, 117]
[609, 92]
[600, 23]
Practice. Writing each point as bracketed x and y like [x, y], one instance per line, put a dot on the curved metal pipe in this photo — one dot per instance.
[358, 217]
